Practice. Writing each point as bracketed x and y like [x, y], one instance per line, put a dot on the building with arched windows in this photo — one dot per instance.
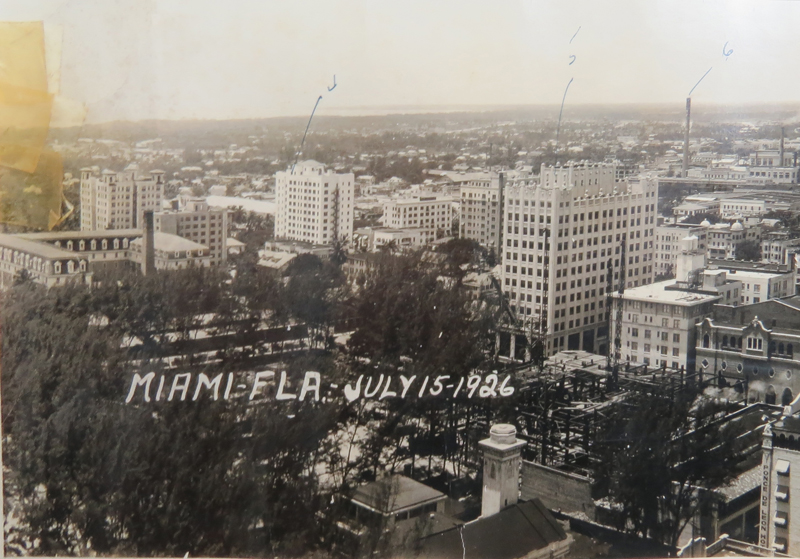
[39, 262]
[758, 344]
[57, 258]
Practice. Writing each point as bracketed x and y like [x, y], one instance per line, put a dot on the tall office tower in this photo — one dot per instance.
[193, 219]
[481, 207]
[314, 204]
[559, 236]
[119, 200]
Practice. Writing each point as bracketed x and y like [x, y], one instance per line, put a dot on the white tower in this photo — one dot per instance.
[501, 462]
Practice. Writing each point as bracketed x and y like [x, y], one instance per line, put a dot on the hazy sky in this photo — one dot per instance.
[214, 59]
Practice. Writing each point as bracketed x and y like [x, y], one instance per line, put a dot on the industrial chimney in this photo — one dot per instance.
[783, 137]
[502, 456]
[148, 245]
[685, 169]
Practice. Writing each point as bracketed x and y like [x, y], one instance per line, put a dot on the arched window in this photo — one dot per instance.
[724, 341]
[706, 341]
[105, 244]
[787, 396]
[94, 244]
[57, 267]
[780, 348]
[116, 243]
[771, 396]
[82, 245]
[789, 350]
[771, 347]
[740, 342]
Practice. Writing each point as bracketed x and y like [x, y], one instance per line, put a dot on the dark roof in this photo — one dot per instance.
[395, 494]
[510, 534]
[773, 313]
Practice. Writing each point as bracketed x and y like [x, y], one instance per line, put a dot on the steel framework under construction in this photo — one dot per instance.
[563, 409]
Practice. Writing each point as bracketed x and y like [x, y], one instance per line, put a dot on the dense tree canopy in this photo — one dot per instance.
[660, 461]
[90, 473]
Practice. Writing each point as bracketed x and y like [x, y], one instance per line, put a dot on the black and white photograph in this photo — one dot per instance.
[359, 279]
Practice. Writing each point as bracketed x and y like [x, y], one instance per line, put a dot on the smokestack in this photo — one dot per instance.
[148, 245]
[685, 170]
[783, 136]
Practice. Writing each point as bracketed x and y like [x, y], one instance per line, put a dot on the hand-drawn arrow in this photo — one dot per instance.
[303, 141]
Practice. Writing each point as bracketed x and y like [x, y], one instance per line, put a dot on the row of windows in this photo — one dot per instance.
[70, 245]
[663, 336]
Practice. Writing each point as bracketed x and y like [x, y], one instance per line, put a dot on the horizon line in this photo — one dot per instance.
[413, 110]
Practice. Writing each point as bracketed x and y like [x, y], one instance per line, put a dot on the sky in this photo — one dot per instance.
[228, 59]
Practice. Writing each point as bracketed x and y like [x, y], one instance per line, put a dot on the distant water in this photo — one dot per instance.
[762, 113]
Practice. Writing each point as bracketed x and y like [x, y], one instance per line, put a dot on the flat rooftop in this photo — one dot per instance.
[395, 493]
[754, 274]
[658, 293]
[171, 243]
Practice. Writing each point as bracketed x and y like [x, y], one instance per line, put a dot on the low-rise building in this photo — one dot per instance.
[375, 238]
[759, 281]
[722, 239]
[688, 209]
[778, 248]
[101, 249]
[733, 208]
[39, 262]
[172, 252]
[432, 215]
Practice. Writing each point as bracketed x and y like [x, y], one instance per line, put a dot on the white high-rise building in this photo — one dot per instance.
[193, 219]
[315, 205]
[119, 200]
[559, 237]
[481, 207]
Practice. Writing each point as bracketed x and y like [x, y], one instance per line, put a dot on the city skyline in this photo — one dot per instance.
[167, 60]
